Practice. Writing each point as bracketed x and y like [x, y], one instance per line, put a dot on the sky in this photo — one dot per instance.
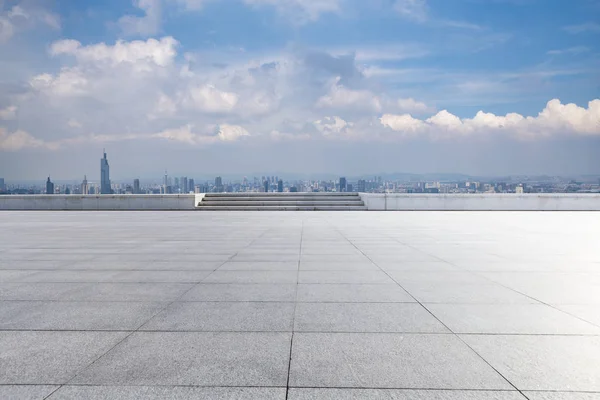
[349, 87]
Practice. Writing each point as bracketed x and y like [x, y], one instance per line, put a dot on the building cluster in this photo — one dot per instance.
[412, 184]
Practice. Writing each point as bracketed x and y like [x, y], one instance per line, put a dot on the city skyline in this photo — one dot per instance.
[342, 86]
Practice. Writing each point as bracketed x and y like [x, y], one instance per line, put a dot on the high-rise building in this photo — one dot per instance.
[49, 187]
[349, 187]
[183, 184]
[280, 186]
[176, 182]
[342, 184]
[165, 183]
[85, 189]
[191, 185]
[266, 184]
[104, 176]
[362, 186]
[67, 191]
[2, 186]
[218, 184]
[136, 186]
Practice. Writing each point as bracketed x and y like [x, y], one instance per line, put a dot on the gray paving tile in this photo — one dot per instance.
[590, 313]
[549, 363]
[127, 292]
[228, 316]
[440, 292]
[397, 394]
[26, 392]
[14, 275]
[509, 319]
[260, 266]
[194, 358]
[166, 393]
[38, 291]
[357, 277]
[337, 266]
[388, 361]
[353, 293]
[39, 315]
[416, 266]
[154, 265]
[50, 357]
[241, 292]
[162, 276]
[361, 317]
[562, 396]
[252, 277]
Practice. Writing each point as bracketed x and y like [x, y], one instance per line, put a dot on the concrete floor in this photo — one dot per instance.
[314, 305]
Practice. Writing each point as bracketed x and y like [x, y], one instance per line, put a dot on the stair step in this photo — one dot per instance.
[293, 194]
[280, 203]
[281, 198]
[281, 208]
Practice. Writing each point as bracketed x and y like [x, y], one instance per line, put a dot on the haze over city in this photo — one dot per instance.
[339, 87]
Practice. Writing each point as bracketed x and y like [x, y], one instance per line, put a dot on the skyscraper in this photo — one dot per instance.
[342, 184]
[1, 184]
[104, 176]
[266, 186]
[183, 184]
[85, 189]
[362, 186]
[136, 186]
[165, 183]
[280, 186]
[49, 187]
[218, 184]
[191, 185]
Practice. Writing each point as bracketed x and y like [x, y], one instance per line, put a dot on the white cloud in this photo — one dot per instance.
[22, 16]
[209, 99]
[230, 133]
[413, 9]
[142, 54]
[582, 28]
[570, 51]
[147, 25]
[556, 118]
[329, 126]
[341, 97]
[20, 140]
[73, 123]
[165, 107]
[8, 113]
[183, 134]
[410, 105]
[191, 4]
[69, 82]
[301, 11]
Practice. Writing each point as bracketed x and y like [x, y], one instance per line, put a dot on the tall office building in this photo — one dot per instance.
[349, 187]
[342, 184]
[191, 185]
[49, 187]
[165, 183]
[362, 186]
[176, 183]
[280, 186]
[104, 176]
[136, 186]
[183, 184]
[85, 189]
[2, 186]
[218, 184]
[266, 186]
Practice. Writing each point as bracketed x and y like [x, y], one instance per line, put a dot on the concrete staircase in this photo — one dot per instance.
[281, 202]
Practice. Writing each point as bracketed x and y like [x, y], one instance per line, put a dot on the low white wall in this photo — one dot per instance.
[133, 202]
[482, 202]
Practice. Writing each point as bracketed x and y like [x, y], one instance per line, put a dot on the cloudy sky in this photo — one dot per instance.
[203, 87]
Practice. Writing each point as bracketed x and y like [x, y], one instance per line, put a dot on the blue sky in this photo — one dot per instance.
[187, 81]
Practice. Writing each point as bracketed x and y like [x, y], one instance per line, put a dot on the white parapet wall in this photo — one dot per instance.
[131, 202]
[481, 202]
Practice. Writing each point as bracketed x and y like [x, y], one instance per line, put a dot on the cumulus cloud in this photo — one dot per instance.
[8, 113]
[209, 99]
[556, 118]
[301, 11]
[344, 98]
[142, 54]
[22, 16]
[146, 25]
[230, 133]
[19, 140]
[329, 126]
[410, 105]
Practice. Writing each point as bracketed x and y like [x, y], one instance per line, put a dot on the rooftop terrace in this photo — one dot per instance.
[300, 306]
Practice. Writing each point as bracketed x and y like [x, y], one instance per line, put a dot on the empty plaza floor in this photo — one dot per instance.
[300, 305]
